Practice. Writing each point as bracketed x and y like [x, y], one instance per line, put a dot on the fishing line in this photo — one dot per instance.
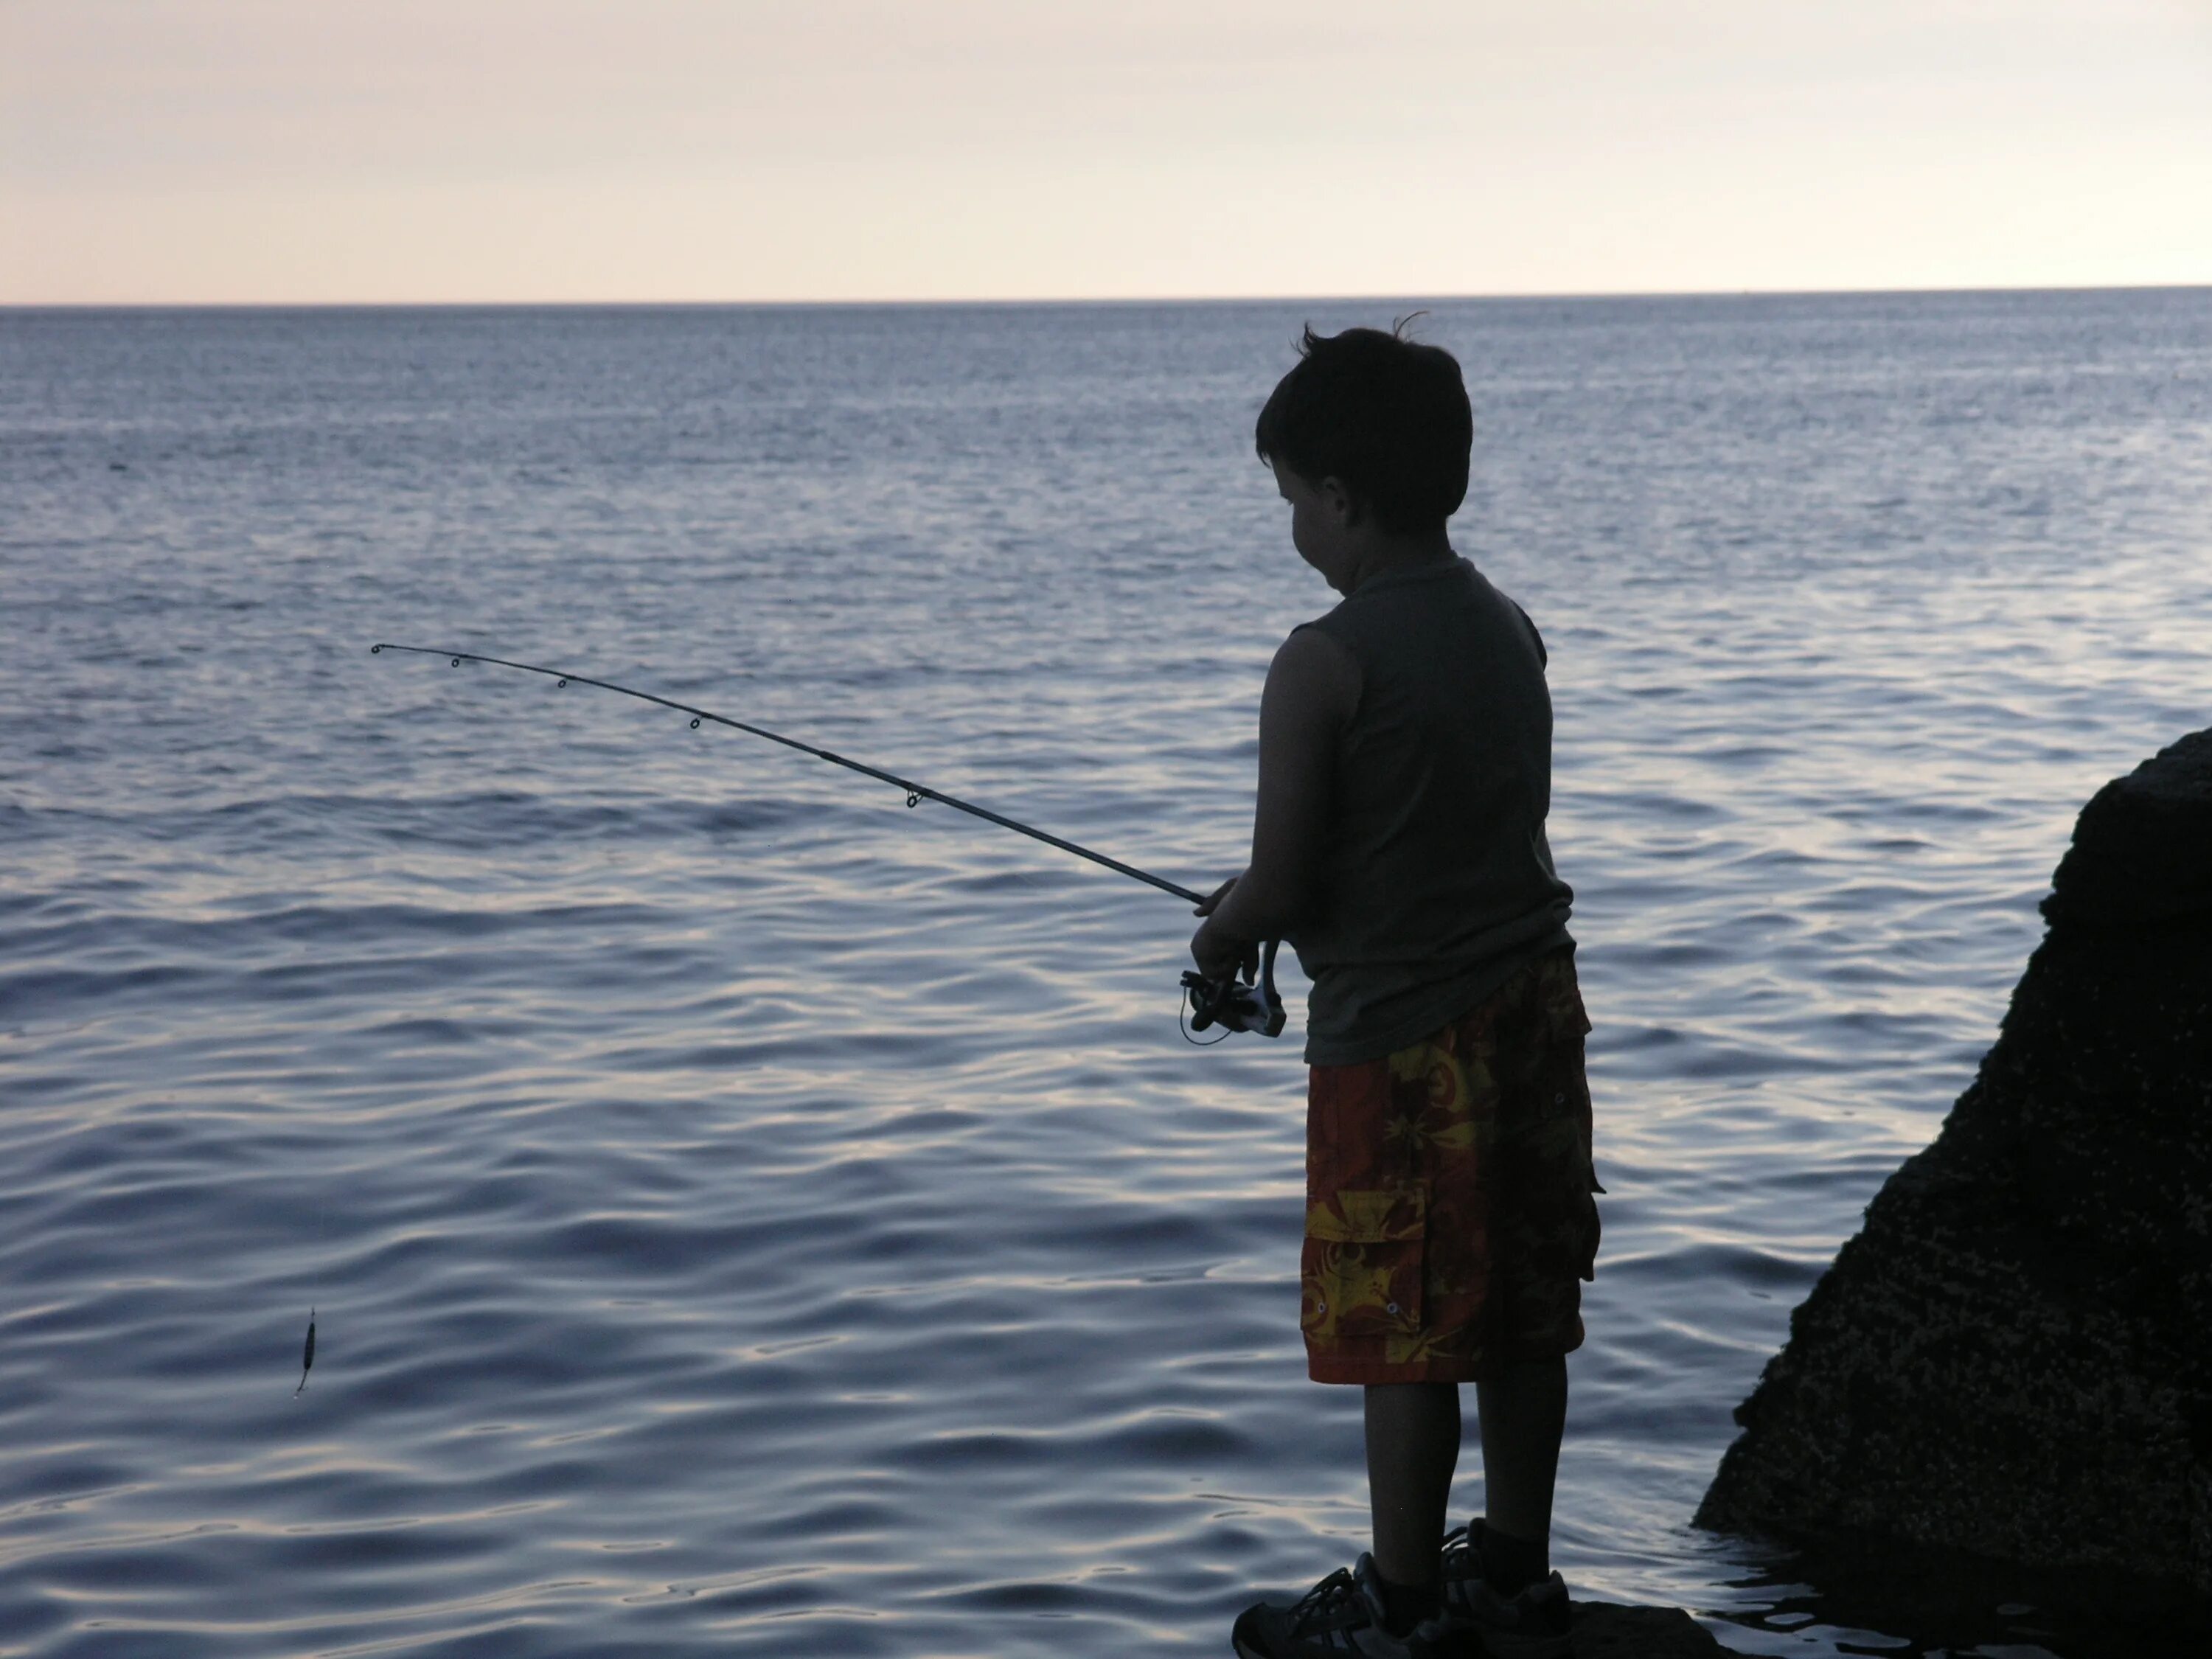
[1230, 1003]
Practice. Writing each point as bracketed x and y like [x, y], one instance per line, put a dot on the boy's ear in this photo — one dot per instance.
[1343, 506]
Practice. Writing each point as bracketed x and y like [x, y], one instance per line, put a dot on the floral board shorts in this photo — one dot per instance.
[1449, 1219]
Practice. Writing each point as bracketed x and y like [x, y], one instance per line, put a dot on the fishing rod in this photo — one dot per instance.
[1231, 1004]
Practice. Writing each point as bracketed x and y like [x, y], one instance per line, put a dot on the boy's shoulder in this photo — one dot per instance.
[1432, 623]
[1315, 678]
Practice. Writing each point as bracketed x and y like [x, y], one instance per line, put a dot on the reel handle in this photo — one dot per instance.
[1234, 1005]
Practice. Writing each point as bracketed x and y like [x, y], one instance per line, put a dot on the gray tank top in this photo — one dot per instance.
[1436, 881]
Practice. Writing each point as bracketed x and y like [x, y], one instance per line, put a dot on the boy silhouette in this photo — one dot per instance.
[1398, 845]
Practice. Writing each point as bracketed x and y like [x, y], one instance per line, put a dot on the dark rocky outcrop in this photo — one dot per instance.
[2014, 1358]
[1605, 1629]
[1611, 1631]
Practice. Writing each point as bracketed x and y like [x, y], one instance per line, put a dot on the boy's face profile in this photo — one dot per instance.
[1321, 516]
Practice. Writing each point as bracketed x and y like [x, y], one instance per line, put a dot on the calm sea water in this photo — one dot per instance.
[746, 1217]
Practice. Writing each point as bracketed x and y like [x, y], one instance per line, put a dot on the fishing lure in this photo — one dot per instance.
[1231, 1004]
[307, 1358]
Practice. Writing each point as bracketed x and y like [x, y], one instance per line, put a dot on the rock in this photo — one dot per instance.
[2014, 1358]
[1606, 1630]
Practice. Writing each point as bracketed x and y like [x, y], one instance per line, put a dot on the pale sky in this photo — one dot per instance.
[313, 150]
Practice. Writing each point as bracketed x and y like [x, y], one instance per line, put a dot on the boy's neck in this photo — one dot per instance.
[1390, 553]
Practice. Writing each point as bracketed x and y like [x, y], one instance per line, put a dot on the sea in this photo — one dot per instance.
[744, 1215]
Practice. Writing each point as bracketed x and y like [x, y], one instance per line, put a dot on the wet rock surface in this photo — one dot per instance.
[1606, 1630]
[2014, 1358]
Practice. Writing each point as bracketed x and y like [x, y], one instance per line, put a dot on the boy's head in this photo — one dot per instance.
[1386, 418]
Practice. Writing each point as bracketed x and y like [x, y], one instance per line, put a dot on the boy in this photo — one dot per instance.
[1405, 775]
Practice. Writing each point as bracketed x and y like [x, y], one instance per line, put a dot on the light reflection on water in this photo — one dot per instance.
[745, 1216]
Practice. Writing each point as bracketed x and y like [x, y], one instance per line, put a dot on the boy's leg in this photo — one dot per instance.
[1545, 1237]
[1524, 1412]
[1413, 1447]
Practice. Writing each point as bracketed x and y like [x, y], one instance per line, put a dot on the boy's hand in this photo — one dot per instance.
[1219, 955]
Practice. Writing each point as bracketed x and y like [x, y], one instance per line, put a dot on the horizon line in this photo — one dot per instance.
[1045, 300]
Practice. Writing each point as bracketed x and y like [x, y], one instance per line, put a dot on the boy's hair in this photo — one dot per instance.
[1384, 417]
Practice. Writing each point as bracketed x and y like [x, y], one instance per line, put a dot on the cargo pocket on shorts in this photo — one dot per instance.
[1567, 1023]
[1361, 1267]
[1593, 1228]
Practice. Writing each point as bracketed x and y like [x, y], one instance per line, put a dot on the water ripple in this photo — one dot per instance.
[745, 1216]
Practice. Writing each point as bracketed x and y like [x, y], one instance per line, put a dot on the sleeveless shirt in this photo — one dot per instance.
[1436, 879]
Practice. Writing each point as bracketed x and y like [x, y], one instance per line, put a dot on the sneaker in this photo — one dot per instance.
[1529, 1625]
[1339, 1618]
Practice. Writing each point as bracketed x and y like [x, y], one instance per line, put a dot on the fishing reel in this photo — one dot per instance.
[1235, 1006]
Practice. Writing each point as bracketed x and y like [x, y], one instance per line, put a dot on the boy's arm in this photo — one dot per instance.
[1313, 686]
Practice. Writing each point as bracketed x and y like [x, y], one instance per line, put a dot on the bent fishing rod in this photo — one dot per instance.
[1231, 1004]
